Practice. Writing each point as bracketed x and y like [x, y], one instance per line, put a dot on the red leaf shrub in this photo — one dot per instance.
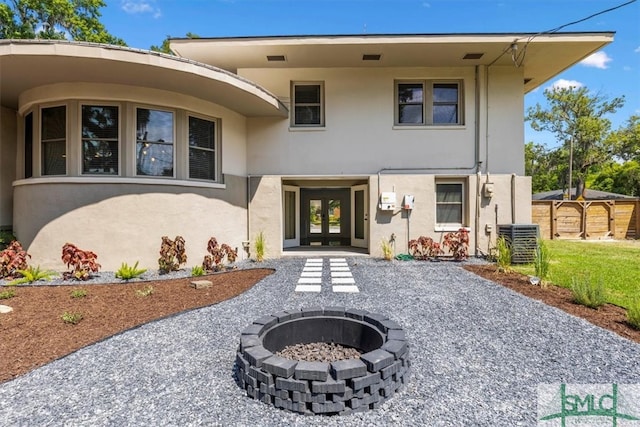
[82, 263]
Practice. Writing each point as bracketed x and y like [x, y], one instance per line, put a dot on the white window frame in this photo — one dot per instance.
[428, 101]
[295, 104]
[216, 147]
[121, 117]
[451, 226]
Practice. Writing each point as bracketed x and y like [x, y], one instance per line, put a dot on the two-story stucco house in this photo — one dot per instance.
[312, 140]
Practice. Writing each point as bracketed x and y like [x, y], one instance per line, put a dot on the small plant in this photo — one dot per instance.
[71, 318]
[503, 255]
[12, 259]
[541, 262]
[127, 272]
[387, 249]
[78, 293]
[260, 247]
[31, 274]
[458, 243]
[6, 294]
[587, 293]
[172, 254]
[217, 254]
[82, 263]
[6, 237]
[633, 314]
[424, 248]
[145, 292]
[197, 270]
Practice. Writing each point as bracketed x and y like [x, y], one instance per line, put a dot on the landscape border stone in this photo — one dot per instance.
[323, 388]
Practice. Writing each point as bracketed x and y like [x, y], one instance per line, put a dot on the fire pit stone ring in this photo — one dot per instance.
[329, 388]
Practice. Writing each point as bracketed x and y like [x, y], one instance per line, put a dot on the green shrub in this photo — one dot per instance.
[71, 318]
[6, 294]
[145, 292]
[633, 314]
[541, 261]
[32, 274]
[260, 247]
[78, 293]
[197, 270]
[6, 237]
[387, 249]
[503, 254]
[126, 272]
[587, 293]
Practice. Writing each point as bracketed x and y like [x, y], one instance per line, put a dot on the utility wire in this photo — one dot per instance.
[518, 59]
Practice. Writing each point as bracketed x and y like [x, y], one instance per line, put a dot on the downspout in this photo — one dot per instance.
[513, 198]
[247, 243]
[476, 226]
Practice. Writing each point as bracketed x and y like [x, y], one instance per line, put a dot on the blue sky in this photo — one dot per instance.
[612, 72]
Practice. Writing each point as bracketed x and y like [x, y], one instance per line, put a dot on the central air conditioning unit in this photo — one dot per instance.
[523, 240]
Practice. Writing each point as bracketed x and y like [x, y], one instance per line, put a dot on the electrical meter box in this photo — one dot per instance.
[387, 201]
[407, 202]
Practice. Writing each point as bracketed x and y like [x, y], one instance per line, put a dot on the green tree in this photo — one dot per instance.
[545, 167]
[578, 121]
[621, 178]
[626, 140]
[164, 47]
[55, 19]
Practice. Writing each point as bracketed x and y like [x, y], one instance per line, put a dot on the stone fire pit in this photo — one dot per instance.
[330, 388]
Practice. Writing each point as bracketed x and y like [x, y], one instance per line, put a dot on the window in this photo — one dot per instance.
[308, 104]
[428, 103]
[154, 142]
[28, 145]
[449, 204]
[202, 149]
[54, 140]
[100, 140]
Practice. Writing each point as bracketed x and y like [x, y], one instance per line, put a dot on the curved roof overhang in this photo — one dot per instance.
[27, 64]
[540, 56]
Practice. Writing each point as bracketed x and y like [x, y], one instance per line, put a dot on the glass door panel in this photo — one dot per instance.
[334, 217]
[290, 216]
[315, 216]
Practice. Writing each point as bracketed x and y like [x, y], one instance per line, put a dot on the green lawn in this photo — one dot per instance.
[616, 263]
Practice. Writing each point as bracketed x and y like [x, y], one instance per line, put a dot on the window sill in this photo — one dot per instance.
[306, 128]
[117, 180]
[450, 228]
[429, 127]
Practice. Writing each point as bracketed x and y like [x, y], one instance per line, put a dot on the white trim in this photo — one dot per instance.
[117, 180]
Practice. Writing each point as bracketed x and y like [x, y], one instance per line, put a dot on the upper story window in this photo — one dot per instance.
[308, 104]
[427, 102]
[100, 129]
[154, 142]
[28, 145]
[450, 204]
[53, 138]
[202, 149]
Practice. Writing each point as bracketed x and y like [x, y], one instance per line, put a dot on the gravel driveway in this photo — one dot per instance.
[478, 350]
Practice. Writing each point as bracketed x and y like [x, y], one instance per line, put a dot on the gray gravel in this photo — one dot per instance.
[479, 352]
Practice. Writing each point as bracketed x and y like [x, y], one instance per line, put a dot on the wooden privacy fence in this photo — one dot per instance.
[589, 219]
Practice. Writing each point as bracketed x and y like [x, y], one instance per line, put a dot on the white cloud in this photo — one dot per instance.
[597, 60]
[637, 50]
[141, 6]
[565, 84]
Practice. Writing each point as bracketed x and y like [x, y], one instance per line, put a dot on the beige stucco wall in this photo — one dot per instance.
[8, 137]
[360, 136]
[124, 222]
[266, 192]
